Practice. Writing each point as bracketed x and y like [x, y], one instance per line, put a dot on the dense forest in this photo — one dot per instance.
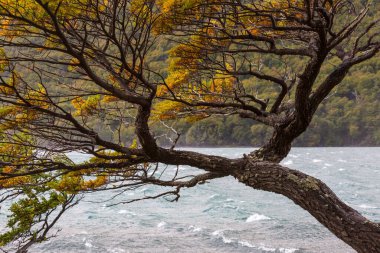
[348, 117]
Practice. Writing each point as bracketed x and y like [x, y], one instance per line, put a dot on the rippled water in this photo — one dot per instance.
[224, 215]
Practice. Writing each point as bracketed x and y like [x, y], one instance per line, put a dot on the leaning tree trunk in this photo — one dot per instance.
[260, 170]
[308, 192]
[316, 198]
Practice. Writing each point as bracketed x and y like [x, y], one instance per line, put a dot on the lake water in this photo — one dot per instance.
[224, 215]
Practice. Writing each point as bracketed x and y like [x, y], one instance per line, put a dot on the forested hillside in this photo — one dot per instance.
[350, 116]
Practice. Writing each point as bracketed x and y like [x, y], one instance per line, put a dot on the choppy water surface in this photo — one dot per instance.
[224, 215]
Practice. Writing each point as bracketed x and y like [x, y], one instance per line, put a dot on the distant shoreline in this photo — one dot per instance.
[239, 146]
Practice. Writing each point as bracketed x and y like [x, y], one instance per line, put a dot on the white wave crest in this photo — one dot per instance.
[219, 234]
[257, 217]
[126, 212]
[213, 196]
[116, 250]
[246, 244]
[194, 228]
[365, 206]
[284, 250]
[267, 249]
[88, 243]
[161, 224]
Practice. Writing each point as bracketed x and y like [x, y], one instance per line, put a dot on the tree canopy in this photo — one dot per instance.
[70, 68]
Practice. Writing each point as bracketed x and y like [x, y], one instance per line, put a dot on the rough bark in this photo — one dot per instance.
[260, 170]
[275, 150]
[318, 199]
[280, 144]
[307, 192]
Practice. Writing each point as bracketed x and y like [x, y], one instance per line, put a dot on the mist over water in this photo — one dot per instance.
[224, 215]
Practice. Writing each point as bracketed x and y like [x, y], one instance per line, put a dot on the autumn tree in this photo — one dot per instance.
[67, 63]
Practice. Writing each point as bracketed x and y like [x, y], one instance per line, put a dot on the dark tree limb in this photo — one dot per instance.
[318, 199]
